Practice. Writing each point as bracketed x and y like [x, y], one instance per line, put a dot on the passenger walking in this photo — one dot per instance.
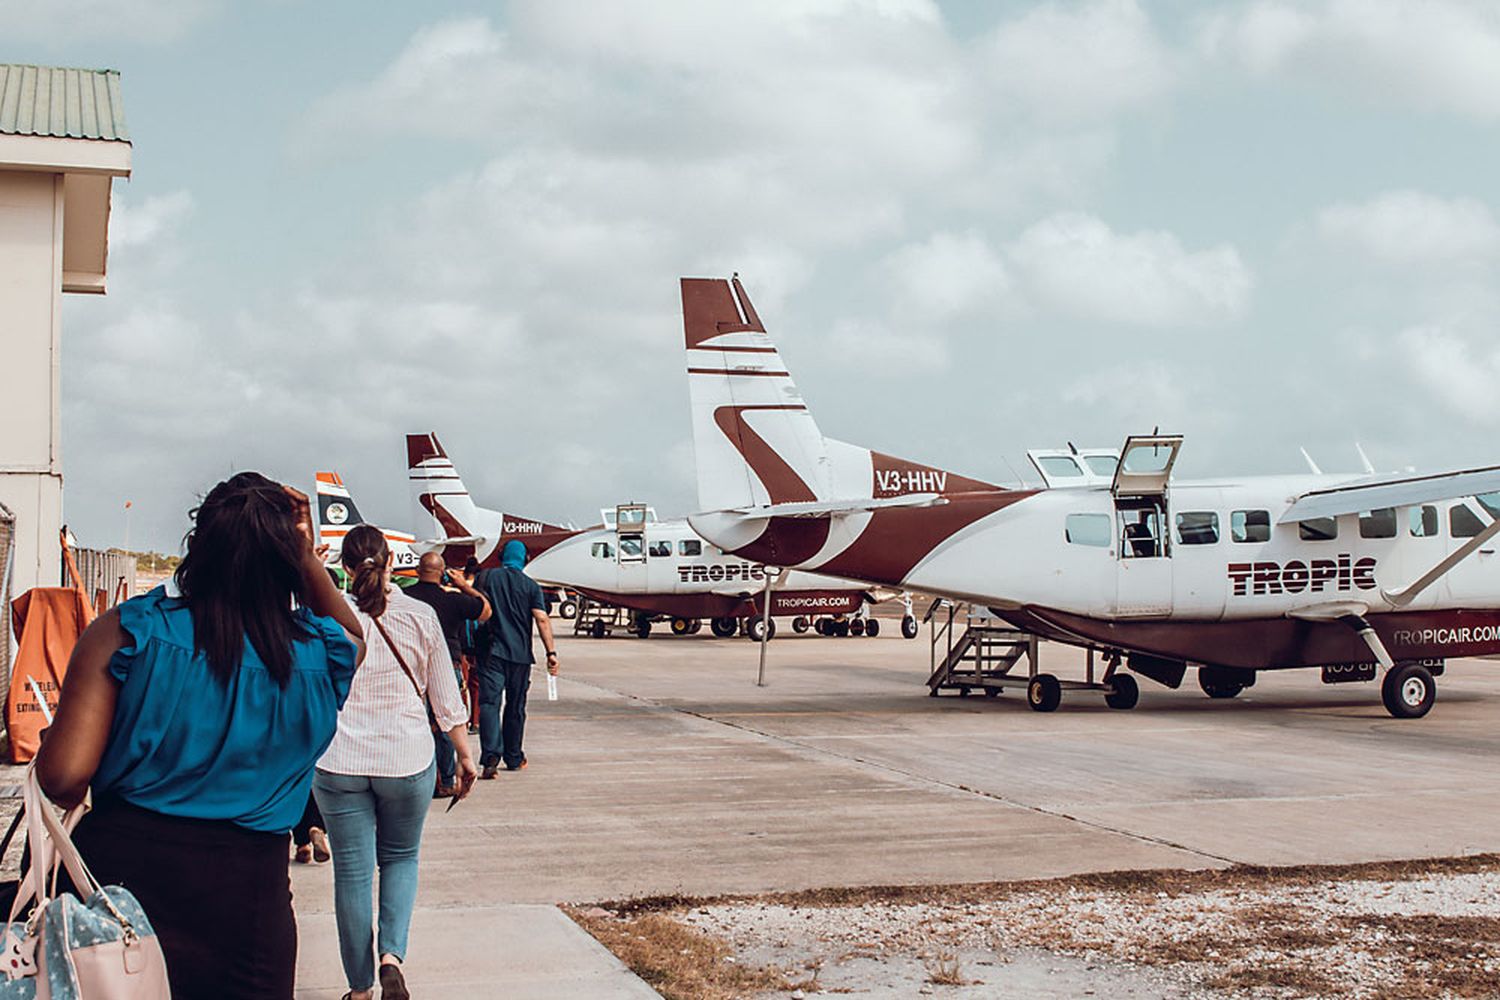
[308, 839]
[454, 607]
[196, 712]
[505, 661]
[374, 784]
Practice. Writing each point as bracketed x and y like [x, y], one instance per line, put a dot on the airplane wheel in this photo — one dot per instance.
[799, 625]
[724, 627]
[1408, 691]
[681, 626]
[963, 692]
[840, 629]
[757, 628]
[1126, 693]
[909, 627]
[1044, 693]
[567, 609]
[872, 627]
[1218, 683]
[597, 629]
[992, 692]
[821, 627]
[857, 627]
[642, 628]
[695, 625]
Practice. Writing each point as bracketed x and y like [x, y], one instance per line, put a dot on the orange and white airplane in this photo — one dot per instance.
[337, 514]
[1354, 574]
[659, 570]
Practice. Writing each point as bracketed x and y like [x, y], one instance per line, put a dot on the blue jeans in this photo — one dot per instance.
[442, 747]
[500, 735]
[373, 821]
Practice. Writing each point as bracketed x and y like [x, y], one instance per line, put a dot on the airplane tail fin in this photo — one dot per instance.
[336, 510]
[756, 442]
[442, 503]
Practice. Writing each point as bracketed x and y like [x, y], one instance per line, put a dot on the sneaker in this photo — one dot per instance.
[489, 771]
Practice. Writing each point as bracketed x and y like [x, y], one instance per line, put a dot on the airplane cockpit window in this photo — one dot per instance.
[632, 547]
[1424, 521]
[660, 549]
[1140, 534]
[1491, 503]
[1087, 529]
[1102, 465]
[1318, 529]
[1463, 522]
[1198, 527]
[601, 550]
[1250, 526]
[690, 547]
[1060, 466]
[1380, 523]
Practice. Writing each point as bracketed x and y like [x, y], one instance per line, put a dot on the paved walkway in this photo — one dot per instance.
[518, 952]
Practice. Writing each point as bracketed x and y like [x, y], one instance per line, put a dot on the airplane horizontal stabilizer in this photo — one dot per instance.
[1391, 491]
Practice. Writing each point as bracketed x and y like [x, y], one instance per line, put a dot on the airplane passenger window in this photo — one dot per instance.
[1424, 521]
[690, 547]
[1087, 529]
[1491, 503]
[631, 548]
[1101, 465]
[1379, 523]
[1060, 466]
[601, 550]
[1463, 522]
[1318, 529]
[1250, 526]
[1198, 527]
[660, 549]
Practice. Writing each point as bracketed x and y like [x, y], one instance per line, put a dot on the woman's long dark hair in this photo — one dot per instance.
[365, 555]
[241, 574]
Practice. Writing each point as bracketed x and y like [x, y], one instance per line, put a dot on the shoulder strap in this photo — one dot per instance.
[399, 659]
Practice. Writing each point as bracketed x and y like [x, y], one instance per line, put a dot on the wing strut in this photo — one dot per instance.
[1401, 598]
[1367, 633]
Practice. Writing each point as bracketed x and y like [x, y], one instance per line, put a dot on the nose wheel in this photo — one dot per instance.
[1408, 691]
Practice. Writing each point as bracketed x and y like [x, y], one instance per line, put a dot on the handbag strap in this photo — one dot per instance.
[400, 659]
[50, 844]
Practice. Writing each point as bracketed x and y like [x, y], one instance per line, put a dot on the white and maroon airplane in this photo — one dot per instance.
[1347, 573]
[659, 570]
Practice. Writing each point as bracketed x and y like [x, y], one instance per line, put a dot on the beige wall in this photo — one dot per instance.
[31, 235]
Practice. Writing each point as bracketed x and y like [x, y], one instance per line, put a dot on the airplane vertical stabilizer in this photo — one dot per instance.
[335, 509]
[443, 507]
[755, 440]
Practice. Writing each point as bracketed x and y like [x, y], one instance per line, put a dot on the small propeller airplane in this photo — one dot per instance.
[1356, 574]
[337, 514]
[656, 569]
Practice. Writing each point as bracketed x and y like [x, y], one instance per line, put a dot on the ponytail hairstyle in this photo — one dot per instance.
[242, 574]
[365, 556]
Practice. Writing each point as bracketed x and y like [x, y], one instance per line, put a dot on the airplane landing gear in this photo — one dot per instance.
[597, 629]
[1125, 694]
[872, 627]
[684, 626]
[909, 627]
[800, 624]
[1408, 691]
[724, 627]
[756, 628]
[1217, 682]
[568, 609]
[641, 627]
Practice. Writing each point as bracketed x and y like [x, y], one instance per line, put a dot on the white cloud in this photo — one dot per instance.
[157, 217]
[1080, 61]
[1075, 264]
[149, 21]
[1457, 375]
[947, 276]
[1432, 54]
[1412, 227]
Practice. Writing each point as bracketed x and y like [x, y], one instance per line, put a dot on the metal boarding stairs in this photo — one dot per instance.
[598, 620]
[982, 657]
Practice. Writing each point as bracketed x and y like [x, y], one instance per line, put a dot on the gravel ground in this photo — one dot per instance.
[1416, 929]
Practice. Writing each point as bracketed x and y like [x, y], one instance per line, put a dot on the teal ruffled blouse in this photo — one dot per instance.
[184, 744]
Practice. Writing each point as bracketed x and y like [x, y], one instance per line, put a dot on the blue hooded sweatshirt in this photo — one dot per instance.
[513, 596]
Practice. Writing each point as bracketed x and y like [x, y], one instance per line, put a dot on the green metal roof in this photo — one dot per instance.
[67, 103]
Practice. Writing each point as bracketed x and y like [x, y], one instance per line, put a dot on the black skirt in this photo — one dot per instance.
[218, 896]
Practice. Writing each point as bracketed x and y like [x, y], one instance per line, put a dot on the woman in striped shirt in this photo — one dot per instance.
[374, 784]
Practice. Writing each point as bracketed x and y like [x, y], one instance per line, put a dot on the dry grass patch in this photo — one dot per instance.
[677, 961]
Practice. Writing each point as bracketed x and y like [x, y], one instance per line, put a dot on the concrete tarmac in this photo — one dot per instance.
[663, 769]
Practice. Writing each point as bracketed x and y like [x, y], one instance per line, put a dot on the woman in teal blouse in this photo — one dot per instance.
[195, 714]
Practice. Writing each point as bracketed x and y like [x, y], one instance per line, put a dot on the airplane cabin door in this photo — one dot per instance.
[1143, 579]
[630, 547]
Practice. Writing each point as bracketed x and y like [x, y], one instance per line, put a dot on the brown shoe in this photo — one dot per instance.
[304, 854]
[392, 983]
[489, 772]
[320, 851]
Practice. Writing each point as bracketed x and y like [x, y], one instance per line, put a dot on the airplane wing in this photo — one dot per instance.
[839, 508]
[1391, 491]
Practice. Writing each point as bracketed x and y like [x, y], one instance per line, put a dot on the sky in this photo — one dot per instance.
[973, 229]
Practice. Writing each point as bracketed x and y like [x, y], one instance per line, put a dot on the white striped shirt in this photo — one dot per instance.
[383, 730]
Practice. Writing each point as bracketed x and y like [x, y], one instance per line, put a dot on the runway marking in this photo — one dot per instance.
[915, 776]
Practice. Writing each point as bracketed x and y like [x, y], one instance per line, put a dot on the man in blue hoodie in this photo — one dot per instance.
[505, 662]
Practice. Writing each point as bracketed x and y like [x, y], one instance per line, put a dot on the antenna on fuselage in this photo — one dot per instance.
[1310, 463]
[1364, 459]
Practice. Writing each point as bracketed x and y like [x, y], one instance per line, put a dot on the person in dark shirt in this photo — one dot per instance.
[454, 608]
[505, 662]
